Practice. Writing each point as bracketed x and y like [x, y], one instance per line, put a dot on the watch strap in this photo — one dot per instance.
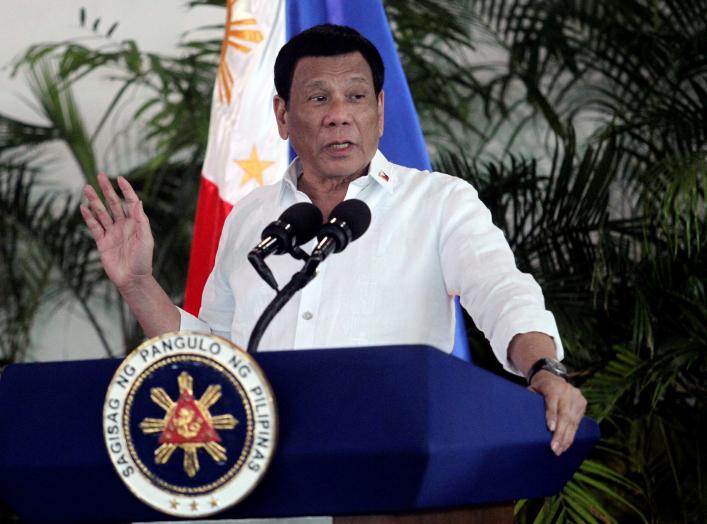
[547, 364]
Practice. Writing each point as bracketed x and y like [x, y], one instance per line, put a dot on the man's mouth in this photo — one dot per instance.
[339, 146]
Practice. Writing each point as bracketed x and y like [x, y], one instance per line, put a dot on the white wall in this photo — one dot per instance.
[62, 331]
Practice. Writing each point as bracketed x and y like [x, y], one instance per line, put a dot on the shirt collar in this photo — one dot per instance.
[289, 179]
[379, 170]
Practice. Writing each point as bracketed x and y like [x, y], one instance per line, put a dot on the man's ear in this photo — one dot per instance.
[280, 108]
[381, 114]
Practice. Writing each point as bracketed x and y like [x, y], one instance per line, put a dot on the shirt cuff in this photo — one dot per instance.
[188, 322]
[542, 324]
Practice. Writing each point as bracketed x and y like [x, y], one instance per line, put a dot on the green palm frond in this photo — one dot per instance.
[616, 380]
[174, 117]
[21, 137]
[57, 104]
[637, 72]
[680, 183]
[45, 253]
[436, 49]
[592, 496]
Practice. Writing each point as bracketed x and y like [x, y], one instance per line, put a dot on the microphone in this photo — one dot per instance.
[347, 221]
[297, 225]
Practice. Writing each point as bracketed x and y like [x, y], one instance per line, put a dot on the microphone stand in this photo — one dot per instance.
[300, 279]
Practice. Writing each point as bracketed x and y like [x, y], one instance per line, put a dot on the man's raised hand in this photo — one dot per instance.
[125, 243]
[123, 235]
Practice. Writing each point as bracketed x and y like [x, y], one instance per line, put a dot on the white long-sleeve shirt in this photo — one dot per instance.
[430, 238]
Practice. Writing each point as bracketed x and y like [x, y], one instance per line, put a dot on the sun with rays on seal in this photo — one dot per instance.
[188, 424]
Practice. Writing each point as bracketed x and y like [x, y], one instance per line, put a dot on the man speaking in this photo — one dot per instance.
[430, 238]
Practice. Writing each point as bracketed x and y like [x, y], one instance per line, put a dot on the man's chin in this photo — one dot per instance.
[345, 167]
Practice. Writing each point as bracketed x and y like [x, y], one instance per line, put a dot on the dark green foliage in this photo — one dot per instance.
[45, 253]
[612, 224]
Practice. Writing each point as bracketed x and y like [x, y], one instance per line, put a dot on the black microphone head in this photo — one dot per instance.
[347, 221]
[297, 225]
[355, 213]
[305, 219]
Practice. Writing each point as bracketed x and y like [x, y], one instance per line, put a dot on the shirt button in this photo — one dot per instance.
[307, 315]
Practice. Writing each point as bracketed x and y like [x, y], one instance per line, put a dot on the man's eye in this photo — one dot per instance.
[358, 96]
[318, 98]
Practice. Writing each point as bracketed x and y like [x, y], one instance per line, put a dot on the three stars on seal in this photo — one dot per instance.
[188, 424]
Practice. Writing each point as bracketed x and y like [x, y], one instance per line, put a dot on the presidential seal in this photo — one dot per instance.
[190, 423]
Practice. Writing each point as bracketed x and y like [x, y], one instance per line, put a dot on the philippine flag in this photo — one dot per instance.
[245, 150]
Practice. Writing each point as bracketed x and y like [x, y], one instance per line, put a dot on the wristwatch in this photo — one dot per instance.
[552, 365]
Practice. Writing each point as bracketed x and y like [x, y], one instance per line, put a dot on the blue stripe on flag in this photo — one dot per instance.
[402, 141]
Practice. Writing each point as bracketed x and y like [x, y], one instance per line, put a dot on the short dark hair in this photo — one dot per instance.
[325, 40]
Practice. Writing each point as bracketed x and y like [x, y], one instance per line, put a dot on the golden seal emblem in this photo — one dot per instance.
[190, 423]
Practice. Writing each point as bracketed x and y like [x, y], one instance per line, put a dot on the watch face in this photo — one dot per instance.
[556, 366]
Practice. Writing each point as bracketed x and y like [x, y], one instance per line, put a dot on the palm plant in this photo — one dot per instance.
[624, 274]
[171, 126]
[43, 254]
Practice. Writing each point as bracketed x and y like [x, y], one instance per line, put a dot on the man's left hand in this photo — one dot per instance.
[564, 408]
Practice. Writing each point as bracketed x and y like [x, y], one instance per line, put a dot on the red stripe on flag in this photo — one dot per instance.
[211, 212]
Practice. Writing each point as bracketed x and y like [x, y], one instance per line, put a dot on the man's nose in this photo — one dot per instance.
[339, 113]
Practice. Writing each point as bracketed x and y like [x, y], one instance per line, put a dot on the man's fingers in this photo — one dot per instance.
[99, 210]
[127, 190]
[564, 407]
[568, 435]
[112, 198]
[143, 230]
[571, 408]
[551, 407]
[564, 436]
[134, 204]
[134, 208]
[97, 231]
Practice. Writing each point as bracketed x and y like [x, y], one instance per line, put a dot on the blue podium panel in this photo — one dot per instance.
[362, 430]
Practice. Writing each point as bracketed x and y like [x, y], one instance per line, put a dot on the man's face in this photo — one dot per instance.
[334, 118]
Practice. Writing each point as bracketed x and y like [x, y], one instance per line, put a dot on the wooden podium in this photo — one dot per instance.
[401, 434]
[493, 514]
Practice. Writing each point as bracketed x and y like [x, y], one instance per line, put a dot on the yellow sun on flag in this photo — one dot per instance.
[253, 168]
[241, 36]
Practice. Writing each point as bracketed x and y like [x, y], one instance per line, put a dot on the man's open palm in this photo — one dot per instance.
[123, 236]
